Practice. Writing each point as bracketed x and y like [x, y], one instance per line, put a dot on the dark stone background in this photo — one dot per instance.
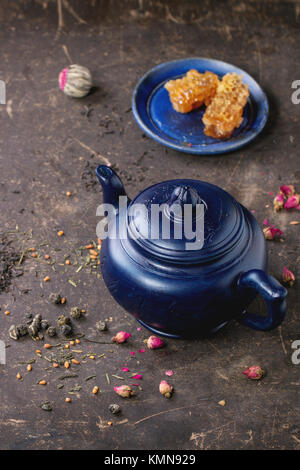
[42, 154]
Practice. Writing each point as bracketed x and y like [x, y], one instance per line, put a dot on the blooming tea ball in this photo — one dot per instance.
[75, 81]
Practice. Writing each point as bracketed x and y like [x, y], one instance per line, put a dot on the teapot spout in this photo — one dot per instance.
[111, 184]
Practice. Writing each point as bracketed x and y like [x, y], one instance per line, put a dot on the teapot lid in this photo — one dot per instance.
[206, 224]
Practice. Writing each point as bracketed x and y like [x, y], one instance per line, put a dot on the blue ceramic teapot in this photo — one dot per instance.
[180, 292]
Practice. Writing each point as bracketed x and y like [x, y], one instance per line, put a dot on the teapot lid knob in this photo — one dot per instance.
[185, 195]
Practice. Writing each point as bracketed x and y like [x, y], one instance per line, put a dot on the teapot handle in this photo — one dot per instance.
[274, 295]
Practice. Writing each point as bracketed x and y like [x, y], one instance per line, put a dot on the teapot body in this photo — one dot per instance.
[176, 289]
[187, 301]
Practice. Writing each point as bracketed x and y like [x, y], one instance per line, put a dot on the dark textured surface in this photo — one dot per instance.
[42, 154]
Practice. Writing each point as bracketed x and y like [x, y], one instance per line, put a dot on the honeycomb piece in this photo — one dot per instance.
[192, 91]
[225, 112]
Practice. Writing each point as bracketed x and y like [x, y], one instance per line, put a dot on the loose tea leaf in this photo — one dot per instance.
[67, 376]
[31, 361]
[90, 377]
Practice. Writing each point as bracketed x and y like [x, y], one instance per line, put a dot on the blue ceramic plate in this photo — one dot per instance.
[184, 132]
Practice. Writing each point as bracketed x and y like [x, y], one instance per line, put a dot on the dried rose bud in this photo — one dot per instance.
[292, 201]
[271, 232]
[165, 389]
[278, 202]
[153, 342]
[254, 372]
[287, 190]
[124, 391]
[121, 337]
[288, 277]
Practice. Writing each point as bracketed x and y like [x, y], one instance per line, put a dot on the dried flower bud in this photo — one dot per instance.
[292, 202]
[278, 202]
[165, 389]
[288, 277]
[121, 337]
[153, 342]
[271, 232]
[254, 372]
[287, 190]
[124, 391]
